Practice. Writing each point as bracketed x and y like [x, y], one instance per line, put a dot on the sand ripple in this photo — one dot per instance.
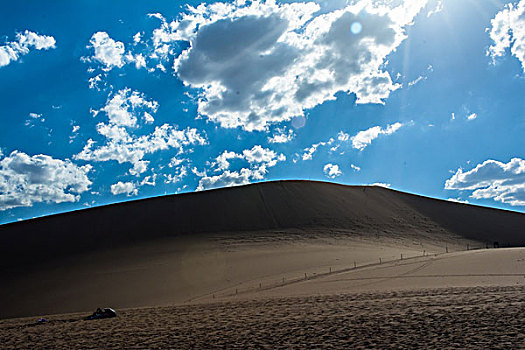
[473, 318]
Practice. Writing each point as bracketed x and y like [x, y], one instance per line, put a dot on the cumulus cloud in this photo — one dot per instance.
[262, 155]
[24, 43]
[332, 170]
[508, 32]
[179, 173]
[126, 148]
[257, 63]
[281, 136]
[127, 111]
[502, 182]
[258, 161]
[364, 138]
[25, 180]
[227, 179]
[108, 52]
[123, 107]
[341, 136]
[127, 188]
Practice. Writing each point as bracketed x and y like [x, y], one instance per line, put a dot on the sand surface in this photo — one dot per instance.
[177, 270]
[460, 318]
[474, 268]
[465, 300]
[277, 265]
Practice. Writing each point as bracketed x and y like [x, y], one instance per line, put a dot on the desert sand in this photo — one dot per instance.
[451, 318]
[281, 264]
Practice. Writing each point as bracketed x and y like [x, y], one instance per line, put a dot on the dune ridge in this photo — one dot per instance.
[263, 206]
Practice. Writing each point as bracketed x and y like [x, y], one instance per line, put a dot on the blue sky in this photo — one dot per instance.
[105, 102]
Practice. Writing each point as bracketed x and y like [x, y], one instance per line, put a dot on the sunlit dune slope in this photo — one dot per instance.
[212, 245]
[263, 206]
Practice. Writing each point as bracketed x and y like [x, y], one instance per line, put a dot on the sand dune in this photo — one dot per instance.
[252, 242]
[265, 206]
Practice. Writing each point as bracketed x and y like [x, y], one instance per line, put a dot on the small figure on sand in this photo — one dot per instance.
[99, 313]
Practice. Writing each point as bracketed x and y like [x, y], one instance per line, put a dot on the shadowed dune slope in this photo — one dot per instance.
[263, 206]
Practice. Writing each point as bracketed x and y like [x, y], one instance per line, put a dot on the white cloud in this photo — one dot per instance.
[124, 106]
[438, 8]
[310, 151]
[149, 180]
[457, 200]
[125, 148]
[502, 182]
[176, 162]
[139, 167]
[417, 80]
[281, 136]
[364, 138]
[226, 179]
[332, 170]
[355, 167]
[381, 184]
[25, 180]
[341, 136]
[137, 37]
[25, 41]
[74, 133]
[178, 175]
[127, 188]
[259, 159]
[222, 161]
[360, 141]
[472, 116]
[126, 111]
[508, 32]
[108, 52]
[262, 155]
[285, 58]
[148, 118]
[96, 81]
